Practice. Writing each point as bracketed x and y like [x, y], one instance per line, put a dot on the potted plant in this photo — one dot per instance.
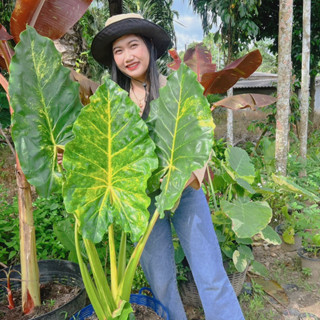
[297, 216]
[310, 254]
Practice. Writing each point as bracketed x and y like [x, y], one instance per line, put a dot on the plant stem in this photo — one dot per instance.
[126, 283]
[212, 189]
[113, 263]
[28, 256]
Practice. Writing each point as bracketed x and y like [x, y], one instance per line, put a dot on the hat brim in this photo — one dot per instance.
[101, 47]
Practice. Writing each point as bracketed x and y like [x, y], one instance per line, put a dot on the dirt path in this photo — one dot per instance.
[302, 293]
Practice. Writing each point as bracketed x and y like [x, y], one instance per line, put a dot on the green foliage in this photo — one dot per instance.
[46, 213]
[6, 8]
[9, 230]
[4, 110]
[236, 217]
[90, 24]
[254, 305]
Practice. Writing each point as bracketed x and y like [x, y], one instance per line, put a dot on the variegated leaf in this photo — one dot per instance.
[108, 165]
[46, 103]
[181, 125]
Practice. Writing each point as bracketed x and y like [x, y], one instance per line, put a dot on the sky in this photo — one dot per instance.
[191, 31]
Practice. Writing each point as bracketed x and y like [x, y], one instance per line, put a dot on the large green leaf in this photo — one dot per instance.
[242, 257]
[181, 125]
[269, 235]
[108, 164]
[248, 218]
[290, 186]
[46, 103]
[240, 162]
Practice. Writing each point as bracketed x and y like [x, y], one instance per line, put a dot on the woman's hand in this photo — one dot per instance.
[193, 182]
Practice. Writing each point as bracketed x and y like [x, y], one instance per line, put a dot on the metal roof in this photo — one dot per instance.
[258, 80]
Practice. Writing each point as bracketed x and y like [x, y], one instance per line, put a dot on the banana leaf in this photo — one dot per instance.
[46, 103]
[51, 18]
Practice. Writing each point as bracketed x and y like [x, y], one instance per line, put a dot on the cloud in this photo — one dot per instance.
[188, 29]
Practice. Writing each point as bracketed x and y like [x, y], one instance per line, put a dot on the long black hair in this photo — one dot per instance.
[152, 76]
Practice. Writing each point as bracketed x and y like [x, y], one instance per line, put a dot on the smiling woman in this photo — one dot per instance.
[132, 57]
[129, 45]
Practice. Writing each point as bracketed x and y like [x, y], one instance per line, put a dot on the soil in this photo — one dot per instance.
[53, 295]
[298, 293]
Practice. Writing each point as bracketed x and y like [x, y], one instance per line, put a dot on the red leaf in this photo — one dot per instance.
[199, 59]
[246, 100]
[51, 18]
[4, 83]
[175, 64]
[4, 35]
[10, 297]
[221, 81]
[29, 304]
[5, 51]
[87, 87]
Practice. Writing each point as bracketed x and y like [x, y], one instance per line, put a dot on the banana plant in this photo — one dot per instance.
[43, 15]
[199, 59]
[111, 158]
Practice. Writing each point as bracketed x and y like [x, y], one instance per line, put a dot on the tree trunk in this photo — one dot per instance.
[284, 84]
[305, 80]
[230, 121]
[71, 45]
[312, 98]
[115, 7]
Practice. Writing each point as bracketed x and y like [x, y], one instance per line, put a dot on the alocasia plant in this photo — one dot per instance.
[108, 163]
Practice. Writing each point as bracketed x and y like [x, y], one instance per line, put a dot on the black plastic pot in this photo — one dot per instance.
[312, 263]
[59, 271]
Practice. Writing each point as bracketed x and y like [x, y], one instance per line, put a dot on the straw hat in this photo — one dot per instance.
[122, 24]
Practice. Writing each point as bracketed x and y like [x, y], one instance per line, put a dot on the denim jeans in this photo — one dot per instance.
[194, 228]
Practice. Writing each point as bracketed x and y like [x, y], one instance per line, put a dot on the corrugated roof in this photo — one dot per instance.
[258, 80]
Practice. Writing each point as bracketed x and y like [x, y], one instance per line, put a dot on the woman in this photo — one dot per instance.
[129, 46]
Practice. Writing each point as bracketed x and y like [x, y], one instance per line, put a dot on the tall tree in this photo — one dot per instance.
[269, 13]
[305, 80]
[284, 84]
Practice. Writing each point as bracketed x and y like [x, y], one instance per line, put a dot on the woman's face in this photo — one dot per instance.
[131, 56]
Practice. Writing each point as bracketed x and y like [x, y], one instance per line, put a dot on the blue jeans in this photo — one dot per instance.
[193, 224]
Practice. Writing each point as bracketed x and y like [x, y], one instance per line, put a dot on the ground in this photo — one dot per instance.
[302, 294]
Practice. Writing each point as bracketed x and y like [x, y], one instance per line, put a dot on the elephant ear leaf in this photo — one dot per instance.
[46, 103]
[108, 165]
[181, 125]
